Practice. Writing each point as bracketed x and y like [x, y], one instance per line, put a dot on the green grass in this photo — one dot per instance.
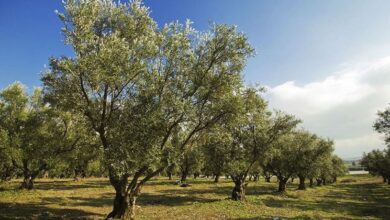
[353, 197]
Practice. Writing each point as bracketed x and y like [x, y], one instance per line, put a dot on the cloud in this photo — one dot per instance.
[342, 106]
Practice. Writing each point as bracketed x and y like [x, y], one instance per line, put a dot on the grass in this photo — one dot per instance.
[353, 197]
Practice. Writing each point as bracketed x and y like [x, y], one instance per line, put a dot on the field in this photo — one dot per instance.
[353, 197]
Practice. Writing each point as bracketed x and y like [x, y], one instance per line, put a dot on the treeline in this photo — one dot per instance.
[377, 162]
[38, 140]
[137, 101]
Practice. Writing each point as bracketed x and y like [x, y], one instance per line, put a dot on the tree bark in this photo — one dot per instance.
[238, 193]
[216, 179]
[183, 179]
[319, 182]
[282, 184]
[7, 174]
[196, 175]
[28, 182]
[121, 205]
[384, 179]
[302, 185]
[29, 176]
[267, 179]
[170, 175]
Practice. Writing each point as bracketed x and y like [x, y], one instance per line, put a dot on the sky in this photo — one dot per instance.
[327, 62]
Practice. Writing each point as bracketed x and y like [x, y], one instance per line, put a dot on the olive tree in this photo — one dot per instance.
[36, 134]
[283, 161]
[382, 124]
[7, 170]
[214, 150]
[135, 83]
[377, 163]
[250, 134]
[310, 152]
[297, 154]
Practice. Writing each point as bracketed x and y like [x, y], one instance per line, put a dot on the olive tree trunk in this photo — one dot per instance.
[319, 182]
[282, 184]
[29, 176]
[121, 205]
[216, 179]
[302, 185]
[28, 182]
[126, 194]
[238, 193]
[183, 179]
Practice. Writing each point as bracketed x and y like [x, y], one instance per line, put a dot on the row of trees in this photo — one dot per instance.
[377, 162]
[137, 100]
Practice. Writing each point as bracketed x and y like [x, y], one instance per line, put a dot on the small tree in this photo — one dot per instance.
[284, 162]
[215, 152]
[377, 163]
[250, 134]
[36, 133]
[190, 162]
[310, 153]
[382, 124]
[338, 168]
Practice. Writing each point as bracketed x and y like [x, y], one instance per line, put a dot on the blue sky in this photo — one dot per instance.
[301, 47]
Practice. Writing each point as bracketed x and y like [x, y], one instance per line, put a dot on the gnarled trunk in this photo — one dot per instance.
[196, 175]
[183, 179]
[6, 174]
[78, 173]
[301, 183]
[238, 193]
[216, 179]
[28, 182]
[29, 176]
[170, 175]
[282, 184]
[122, 205]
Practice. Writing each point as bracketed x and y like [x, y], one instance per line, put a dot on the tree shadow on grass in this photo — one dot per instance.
[360, 200]
[39, 211]
[69, 185]
[172, 199]
[252, 189]
[145, 199]
[302, 217]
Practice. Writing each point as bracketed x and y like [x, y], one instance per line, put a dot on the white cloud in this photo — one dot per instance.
[343, 106]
